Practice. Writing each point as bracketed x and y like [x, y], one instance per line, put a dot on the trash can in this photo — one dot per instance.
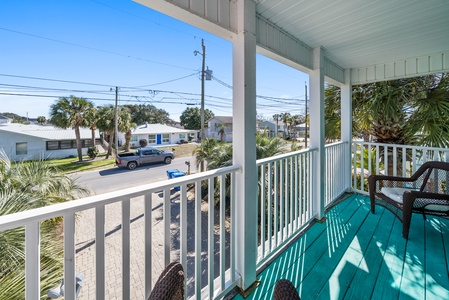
[176, 175]
[171, 172]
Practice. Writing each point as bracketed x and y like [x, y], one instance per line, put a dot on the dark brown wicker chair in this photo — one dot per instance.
[426, 192]
[170, 285]
[285, 290]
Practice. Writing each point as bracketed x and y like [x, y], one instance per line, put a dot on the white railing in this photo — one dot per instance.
[285, 196]
[175, 226]
[336, 159]
[389, 159]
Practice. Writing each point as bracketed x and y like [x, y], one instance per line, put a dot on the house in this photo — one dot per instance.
[4, 120]
[271, 127]
[159, 134]
[285, 221]
[26, 142]
[216, 124]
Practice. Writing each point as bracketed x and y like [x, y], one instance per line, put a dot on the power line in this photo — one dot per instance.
[94, 49]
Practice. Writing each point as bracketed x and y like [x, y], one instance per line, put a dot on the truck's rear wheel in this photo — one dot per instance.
[132, 165]
[167, 160]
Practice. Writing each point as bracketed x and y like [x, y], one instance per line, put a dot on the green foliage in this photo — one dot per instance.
[147, 113]
[41, 120]
[24, 186]
[93, 152]
[143, 143]
[191, 117]
[72, 113]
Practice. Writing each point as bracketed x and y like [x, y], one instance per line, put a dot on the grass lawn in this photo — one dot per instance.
[71, 165]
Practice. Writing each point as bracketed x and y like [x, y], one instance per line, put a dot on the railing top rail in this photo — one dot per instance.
[47, 212]
[282, 156]
[335, 144]
[401, 146]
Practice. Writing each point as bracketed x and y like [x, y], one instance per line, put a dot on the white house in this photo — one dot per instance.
[270, 126]
[160, 134]
[25, 142]
[4, 120]
[214, 127]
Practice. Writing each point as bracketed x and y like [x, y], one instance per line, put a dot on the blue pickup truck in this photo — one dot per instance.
[142, 156]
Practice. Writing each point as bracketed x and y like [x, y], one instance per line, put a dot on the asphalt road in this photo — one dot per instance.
[108, 180]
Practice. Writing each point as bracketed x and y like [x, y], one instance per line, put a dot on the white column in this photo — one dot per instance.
[244, 141]
[317, 131]
[346, 125]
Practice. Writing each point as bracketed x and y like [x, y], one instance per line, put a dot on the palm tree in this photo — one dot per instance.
[106, 123]
[204, 152]
[285, 117]
[25, 186]
[71, 113]
[222, 132]
[276, 117]
[91, 120]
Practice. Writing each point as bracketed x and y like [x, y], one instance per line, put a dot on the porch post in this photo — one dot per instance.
[317, 131]
[244, 142]
[346, 126]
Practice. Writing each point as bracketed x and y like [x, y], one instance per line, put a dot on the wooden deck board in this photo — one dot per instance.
[359, 255]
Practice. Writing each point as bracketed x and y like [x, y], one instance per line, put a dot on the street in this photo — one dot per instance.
[112, 179]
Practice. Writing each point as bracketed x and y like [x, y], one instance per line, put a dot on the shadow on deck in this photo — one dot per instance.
[359, 255]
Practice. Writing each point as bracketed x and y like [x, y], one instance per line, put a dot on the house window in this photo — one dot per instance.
[21, 148]
[86, 143]
[166, 138]
[65, 145]
[52, 145]
[182, 136]
[151, 139]
[134, 138]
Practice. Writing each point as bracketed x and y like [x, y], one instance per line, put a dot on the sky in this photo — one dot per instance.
[86, 48]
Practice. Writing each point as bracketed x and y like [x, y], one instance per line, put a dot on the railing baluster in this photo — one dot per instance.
[210, 226]
[148, 230]
[126, 256]
[32, 261]
[270, 207]
[167, 223]
[395, 161]
[100, 253]
[69, 256]
[296, 193]
[280, 232]
[233, 229]
[198, 239]
[404, 161]
[223, 231]
[291, 197]
[183, 228]
[275, 200]
[262, 208]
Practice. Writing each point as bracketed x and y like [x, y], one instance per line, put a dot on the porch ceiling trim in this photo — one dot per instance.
[284, 35]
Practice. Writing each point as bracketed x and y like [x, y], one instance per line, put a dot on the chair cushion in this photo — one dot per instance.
[396, 194]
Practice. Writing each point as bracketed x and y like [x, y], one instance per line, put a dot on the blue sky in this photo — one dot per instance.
[53, 48]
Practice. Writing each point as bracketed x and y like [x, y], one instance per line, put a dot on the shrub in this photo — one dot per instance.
[93, 152]
[143, 143]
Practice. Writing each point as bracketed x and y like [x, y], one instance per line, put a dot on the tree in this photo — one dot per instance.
[222, 132]
[92, 119]
[285, 118]
[106, 123]
[191, 117]
[41, 120]
[71, 113]
[276, 117]
[146, 113]
[24, 186]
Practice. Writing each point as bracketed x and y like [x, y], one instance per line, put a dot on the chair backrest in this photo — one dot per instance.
[170, 285]
[434, 177]
[285, 290]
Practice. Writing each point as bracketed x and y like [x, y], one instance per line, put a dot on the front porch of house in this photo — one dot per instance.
[358, 255]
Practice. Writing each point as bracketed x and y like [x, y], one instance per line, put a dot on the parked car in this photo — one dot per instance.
[147, 155]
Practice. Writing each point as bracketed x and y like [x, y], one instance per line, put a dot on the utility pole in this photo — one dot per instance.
[305, 139]
[116, 122]
[202, 94]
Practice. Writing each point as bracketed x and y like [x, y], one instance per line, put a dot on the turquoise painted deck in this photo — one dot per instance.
[359, 255]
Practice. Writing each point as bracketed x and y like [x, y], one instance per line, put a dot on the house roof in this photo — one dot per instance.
[47, 132]
[3, 117]
[158, 129]
[223, 119]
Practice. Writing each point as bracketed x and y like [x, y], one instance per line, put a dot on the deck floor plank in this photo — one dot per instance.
[359, 255]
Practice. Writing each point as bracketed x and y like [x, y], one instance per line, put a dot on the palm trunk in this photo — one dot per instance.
[78, 143]
[93, 136]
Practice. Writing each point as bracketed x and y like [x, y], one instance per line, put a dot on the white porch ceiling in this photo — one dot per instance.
[375, 40]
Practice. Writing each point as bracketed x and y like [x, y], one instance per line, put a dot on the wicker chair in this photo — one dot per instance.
[285, 290]
[426, 192]
[170, 285]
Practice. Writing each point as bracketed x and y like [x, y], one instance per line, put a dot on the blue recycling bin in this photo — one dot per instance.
[176, 175]
[171, 172]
